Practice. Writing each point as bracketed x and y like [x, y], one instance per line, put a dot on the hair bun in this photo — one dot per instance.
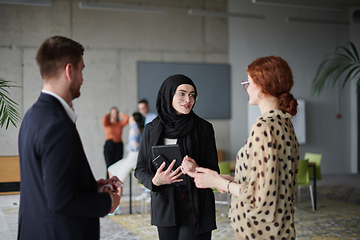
[288, 103]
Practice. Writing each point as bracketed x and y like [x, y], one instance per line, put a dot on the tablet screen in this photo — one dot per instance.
[170, 152]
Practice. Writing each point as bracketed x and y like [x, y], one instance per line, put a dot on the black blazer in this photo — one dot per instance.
[163, 202]
[58, 192]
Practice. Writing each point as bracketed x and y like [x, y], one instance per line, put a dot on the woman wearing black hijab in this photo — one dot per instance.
[179, 211]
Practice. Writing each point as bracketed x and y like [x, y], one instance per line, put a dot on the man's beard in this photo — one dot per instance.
[75, 92]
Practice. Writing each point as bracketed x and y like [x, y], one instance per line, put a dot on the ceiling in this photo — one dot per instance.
[320, 3]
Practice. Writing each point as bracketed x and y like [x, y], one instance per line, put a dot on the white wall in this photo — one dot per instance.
[114, 42]
[303, 46]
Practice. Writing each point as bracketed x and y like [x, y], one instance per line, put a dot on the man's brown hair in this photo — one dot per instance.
[55, 53]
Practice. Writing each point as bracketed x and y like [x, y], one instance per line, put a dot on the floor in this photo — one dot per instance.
[337, 216]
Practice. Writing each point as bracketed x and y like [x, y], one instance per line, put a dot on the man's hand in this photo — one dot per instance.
[113, 184]
[115, 200]
[101, 182]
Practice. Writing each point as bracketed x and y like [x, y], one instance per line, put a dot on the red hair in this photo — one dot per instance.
[273, 76]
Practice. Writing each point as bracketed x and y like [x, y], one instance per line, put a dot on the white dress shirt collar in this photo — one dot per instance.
[72, 115]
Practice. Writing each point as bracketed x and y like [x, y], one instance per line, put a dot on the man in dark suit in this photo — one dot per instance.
[59, 196]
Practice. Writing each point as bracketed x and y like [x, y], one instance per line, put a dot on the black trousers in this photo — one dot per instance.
[113, 152]
[185, 229]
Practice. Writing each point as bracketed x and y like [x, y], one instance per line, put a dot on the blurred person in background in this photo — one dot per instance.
[113, 122]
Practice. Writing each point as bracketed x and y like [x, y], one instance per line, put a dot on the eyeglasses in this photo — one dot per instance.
[245, 84]
[182, 96]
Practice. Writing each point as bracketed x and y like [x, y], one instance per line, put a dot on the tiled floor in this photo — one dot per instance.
[336, 217]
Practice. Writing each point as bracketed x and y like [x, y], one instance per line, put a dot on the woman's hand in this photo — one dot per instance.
[168, 176]
[207, 178]
[188, 165]
[227, 177]
[204, 177]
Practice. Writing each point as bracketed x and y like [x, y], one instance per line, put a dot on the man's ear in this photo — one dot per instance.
[69, 70]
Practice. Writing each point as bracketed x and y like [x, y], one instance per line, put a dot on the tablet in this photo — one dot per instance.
[170, 152]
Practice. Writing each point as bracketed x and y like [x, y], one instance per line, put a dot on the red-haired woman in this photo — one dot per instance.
[264, 185]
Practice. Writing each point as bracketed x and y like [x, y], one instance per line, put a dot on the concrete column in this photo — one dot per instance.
[355, 38]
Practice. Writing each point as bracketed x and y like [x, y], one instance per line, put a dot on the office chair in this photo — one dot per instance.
[303, 179]
[314, 158]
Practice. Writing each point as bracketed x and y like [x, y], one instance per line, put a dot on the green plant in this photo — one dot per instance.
[8, 108]
[343, 64]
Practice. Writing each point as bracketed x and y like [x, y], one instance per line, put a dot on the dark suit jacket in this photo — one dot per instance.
[164, 209]
[58, 192]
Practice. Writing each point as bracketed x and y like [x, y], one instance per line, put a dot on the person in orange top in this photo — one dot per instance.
[113, 122]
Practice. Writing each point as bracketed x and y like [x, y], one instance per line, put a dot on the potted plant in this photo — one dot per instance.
[9, 113]
[342, 65]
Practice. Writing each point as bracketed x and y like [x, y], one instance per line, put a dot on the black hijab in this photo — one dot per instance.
[168, 124]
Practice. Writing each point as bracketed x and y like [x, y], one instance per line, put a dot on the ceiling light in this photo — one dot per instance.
[308, 20]
[42, 3]
[121, 7]
[199, 12]
[324, 8]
